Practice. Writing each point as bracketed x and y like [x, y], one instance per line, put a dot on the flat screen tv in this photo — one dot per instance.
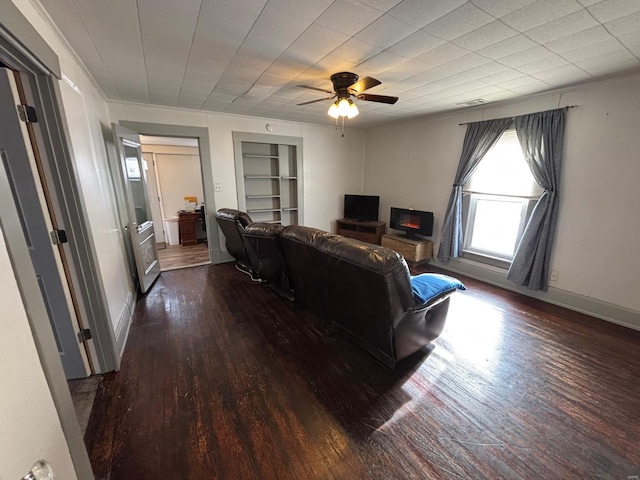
[363, 208]
[411, 222]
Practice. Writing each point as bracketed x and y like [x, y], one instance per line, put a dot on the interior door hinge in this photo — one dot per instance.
[58, 237]
[27, 113]
[84, 335]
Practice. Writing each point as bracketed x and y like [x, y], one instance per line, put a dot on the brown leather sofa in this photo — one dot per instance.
[364, 289]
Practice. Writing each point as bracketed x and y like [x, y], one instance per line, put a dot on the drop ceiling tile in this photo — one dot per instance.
[632, 42]
[611, 9]
[559, 72]
[268, 80]
[443, 54]
[487, 70]
[229, 86]
[217, 101]
[405, 70]
[528, 56]
[329, 65]
[385, 31]
[348, 16]
[420, 13]
[460, 89]
[531, 89]
[588, 3]
[507, 47]
[317, 39]
[547, 63]
[570, 79]
[416, 44]
[478, 93]
[601, 62]
[579, 40]
[189, 102]
[519, 82]
[596, 50]
[447, 83]
[381, 62]
[614, 67]
[130, 93]
[629, 24]
[502, 77]
[500, 8]
[461, 21]
[256, 51]
[210, 76]
[465, 63]
[288, 65]
[356, 50]
[222, 27]
[562, 27]
[539, 13]
[489, 34]
[242, 74]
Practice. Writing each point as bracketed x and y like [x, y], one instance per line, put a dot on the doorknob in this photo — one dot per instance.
[41, 470]
[126, 227]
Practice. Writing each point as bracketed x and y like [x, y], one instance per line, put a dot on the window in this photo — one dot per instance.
[500, 195]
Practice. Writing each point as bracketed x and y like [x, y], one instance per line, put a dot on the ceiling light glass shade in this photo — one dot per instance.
[353, 110]
[343, 107]
[333, 111]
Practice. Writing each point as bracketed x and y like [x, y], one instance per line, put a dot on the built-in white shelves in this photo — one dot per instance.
[267, 172]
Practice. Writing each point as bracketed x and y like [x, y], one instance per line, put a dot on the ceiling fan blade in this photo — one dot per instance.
[314, 101]
[315, 88]
[363, 84]
[378, 98]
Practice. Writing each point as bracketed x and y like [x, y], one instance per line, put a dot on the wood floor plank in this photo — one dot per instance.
[223, 379]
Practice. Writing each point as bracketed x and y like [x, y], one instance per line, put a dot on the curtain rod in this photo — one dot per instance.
[566, 108]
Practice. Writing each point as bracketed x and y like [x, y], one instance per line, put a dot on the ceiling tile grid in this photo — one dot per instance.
[249, 56]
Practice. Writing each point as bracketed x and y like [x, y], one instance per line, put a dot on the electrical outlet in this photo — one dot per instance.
[217, 187]
[554, 276]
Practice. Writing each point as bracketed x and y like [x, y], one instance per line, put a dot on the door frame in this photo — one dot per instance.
[202, 134]
[23, 49]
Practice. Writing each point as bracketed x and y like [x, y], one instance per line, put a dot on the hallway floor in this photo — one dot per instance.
[178, 256]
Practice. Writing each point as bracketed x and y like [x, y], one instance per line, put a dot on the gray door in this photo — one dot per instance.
[15, 161]
[140, 224]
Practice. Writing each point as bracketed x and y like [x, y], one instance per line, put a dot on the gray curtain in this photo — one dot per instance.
[478, 140]
[541, 136]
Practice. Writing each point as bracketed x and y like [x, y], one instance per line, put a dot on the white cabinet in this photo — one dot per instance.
[269, 177]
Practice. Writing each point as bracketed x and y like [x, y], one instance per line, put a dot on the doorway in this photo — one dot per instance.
[176, 191]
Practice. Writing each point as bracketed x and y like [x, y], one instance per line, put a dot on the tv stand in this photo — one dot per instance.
[370, 232]
[413, 250]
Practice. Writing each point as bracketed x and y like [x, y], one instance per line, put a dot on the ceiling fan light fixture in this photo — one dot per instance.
[333, 110]
[353, 110]
[343, 107]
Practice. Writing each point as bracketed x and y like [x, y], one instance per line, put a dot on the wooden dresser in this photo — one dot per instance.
[188, 227]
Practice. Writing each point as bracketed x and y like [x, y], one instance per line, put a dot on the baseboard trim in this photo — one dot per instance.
[609, 312]
[124, 324]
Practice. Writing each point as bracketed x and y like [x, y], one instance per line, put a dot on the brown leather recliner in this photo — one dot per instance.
[262, 241]
[233, 224]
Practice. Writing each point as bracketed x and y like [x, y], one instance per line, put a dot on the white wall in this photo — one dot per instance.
[413, 165]
[29, 424]
[86, 114]
[332, 164]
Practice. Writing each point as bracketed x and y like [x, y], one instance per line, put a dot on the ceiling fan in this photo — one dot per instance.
[345, 86]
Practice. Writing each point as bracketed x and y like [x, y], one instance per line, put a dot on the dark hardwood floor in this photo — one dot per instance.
[222, 379]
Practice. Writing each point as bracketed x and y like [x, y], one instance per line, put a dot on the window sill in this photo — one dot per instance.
[486, 259]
